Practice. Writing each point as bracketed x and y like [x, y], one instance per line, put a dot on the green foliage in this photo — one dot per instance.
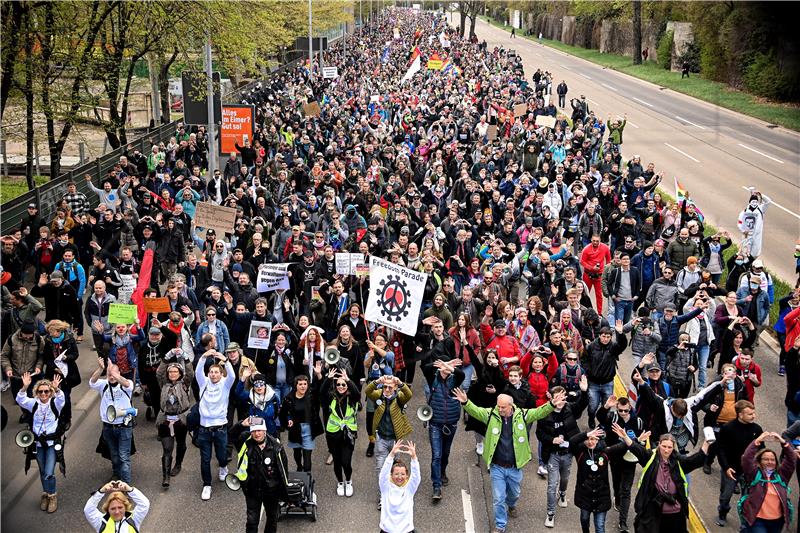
[665, 49]
[12, 187]
[765, 78]
[692, 56]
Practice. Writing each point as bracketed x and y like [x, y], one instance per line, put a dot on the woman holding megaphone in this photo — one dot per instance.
[45, 408]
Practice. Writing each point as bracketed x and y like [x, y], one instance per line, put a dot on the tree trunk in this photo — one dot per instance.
[29, 131]
[163, 85]
[637, 32]
[463, 19]
[11, 45]
[472, 21]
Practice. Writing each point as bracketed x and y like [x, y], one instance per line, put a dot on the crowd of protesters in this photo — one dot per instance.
[548, 254]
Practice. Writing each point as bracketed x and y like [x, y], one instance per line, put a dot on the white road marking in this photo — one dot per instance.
[609, 87]
[469, 521]
[592, 102]
[565, 67]
[585, 76]
[690, 122]
[631, 124]
[779, 206]
[760, 153]
[643, 102]
[682, 152]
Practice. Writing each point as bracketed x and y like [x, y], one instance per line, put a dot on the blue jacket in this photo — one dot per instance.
[270, 411]
[133, 359]
[670, 330]
[223, 338]
[761, 301]
[648, 266]
[446, 409]
[75, 275]
[780, 326]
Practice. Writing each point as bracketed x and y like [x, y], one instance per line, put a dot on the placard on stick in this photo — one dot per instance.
[122, 313]
[312, 109]
[156, 305]
[546, 121]
[520, 110]
[221, 218]
[491, 132]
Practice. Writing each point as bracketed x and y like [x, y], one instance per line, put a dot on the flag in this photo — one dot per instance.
[414, 54]
[444, 41]
[395, 296]
[143, 282]
[413, 69]
[680, 194]
[385, 56]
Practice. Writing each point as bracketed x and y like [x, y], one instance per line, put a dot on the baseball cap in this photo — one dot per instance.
[57, 274]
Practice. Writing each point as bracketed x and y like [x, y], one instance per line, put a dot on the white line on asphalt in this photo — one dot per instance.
[469, 521]
[607, 86]
[779, 206]
[682, 152]
[690, 122]
[592, 102]
[585, 76]
[643, 102]
[565, 67]
[760, 153]
[631, 124]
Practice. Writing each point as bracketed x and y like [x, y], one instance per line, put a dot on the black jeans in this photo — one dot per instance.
[342, 452]
[254, 501]
[172, 443]
[622, 476]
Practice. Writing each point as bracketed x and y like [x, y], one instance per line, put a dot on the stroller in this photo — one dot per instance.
[302, 498]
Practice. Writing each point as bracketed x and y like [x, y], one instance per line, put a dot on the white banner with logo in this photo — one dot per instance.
[395, 296]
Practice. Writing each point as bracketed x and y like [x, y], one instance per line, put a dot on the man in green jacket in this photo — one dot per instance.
[506, 448]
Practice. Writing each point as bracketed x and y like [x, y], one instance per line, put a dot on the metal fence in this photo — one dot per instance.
[47, 195]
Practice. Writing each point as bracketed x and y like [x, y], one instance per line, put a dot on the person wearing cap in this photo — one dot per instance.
[755, 303]
[506, 346]
[60, 299]
[214, 325]
[175, 400]
[24, 308]
[22, 354]
[262, 469]
[259, 398]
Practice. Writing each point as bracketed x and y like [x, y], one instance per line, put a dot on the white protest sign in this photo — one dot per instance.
[259, 334]
[346, 263]
[546, 121]
[127, 288]
[272, 277]
[395, 296]
[330, 72]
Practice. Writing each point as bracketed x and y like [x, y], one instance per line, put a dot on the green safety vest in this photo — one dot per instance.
[650, 462]
[336, 423]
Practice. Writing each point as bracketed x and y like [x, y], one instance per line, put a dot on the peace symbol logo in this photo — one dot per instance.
[393, 298]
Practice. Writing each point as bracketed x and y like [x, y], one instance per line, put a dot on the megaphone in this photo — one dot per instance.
[331, 356]
[24, 438]
[425, 413]
[232, 482]
[112, 413]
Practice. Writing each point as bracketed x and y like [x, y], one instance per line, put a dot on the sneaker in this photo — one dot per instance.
[562, 499]
[550, 521]
[340, 488]
[445, 480]
[479, 448]
[707, 469]
[206, 494]
[721, 521]
[348, 489]
[623, 527]
[4, 387]
[542, 470]
[512, 512]
[498, 530]
[223, 471]
[379, 505]
[781, 370]
[137, 390]
[437, 494]
[371, 449]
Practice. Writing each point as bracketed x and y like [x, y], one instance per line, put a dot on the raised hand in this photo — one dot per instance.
[584, 384]
[559, 399]
[26, 380]
[57, 381]
[460, 395]
[412, 449]
[611, 402]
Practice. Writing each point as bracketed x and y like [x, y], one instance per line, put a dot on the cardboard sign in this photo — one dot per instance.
[545, 121]
[259, 334]
[312, 109]
[272, 277]
[346, 263]
[330, 72]
[122, 313]
[156, 305]
[491, 132]
[237, 124]
[221, 218]
[520, 110]
[434, 64]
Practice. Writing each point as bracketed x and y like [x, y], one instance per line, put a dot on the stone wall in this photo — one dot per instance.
[616, 37]
[683, 36]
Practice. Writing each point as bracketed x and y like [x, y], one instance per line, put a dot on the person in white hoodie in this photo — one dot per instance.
[398, 486]
[214, 393]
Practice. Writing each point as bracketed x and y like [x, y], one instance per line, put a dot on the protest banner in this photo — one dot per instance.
[330, 72]
[491, 132]
[395, 296]
[156, 305]
[346, 263]
[362, 270]
[272, 277]
[312, 109]
[520, 110]
[435, 62]
[127, 288]
[122, 313]
[259, 334]
[546, 121]
[219, 217]
[237, 125]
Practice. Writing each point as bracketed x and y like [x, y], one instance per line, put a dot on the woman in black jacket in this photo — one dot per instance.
[483, 393]
[341, 395]
[278, 360]
[300, 415]
[60, 356]
[662, 501]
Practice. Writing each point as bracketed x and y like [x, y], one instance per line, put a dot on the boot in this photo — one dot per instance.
[43, 503]
[52, 502]
[166, 464]
[179, 453]
[307, 460]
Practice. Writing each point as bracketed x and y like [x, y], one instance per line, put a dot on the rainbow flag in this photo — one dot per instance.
[680, 194]
[450, 68]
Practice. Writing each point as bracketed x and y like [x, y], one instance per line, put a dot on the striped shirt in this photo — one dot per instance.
[77, 203]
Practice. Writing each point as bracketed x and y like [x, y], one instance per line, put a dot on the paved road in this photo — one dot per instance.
[714, 152]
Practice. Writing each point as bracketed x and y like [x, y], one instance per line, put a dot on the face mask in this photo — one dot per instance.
[753, 204]
[739, 262]
[754, 287]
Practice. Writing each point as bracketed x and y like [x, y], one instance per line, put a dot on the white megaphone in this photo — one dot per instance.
[232, 482]
[112, 413]
[425, 413]
[331, 356]
[24, 438]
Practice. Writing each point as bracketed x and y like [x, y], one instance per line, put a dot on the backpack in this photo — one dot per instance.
[760, 479]
[566, 381]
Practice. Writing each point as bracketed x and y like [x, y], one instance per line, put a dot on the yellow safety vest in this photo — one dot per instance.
[242, 460]
[336, 423]
[650, 462]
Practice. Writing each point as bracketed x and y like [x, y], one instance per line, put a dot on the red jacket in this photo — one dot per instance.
[792, 321]
[749, 386]
[506, 346]
[590, 257]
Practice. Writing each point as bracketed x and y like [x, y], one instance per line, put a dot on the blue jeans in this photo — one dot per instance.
[282, 390]
[702, 359]
[46, 457]
[205, 438]
[599, 521]
[623, 310]
[118, 439]
[765, 526]
[468, 371]
[441, 437]
[558, 466]
[598, 394]
[506, 487]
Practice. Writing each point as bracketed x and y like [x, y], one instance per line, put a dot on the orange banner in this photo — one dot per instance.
[237, 123]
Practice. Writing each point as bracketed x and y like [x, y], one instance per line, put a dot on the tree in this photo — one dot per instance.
[637, 32]
[470, 9]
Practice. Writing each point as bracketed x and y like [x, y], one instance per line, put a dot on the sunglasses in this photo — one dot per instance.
[623, 410]
[572, 358]
[341, 384]
[211, 314]
[43, 391]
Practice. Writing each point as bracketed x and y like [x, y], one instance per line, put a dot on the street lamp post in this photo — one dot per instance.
[310, 46]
